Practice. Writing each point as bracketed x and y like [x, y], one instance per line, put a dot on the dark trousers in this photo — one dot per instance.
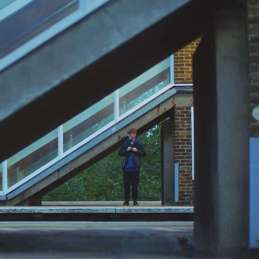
[131, 181]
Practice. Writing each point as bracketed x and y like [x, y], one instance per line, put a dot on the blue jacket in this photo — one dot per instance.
[131, 156]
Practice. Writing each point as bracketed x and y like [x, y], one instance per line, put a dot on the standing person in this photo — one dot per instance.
[132, 149]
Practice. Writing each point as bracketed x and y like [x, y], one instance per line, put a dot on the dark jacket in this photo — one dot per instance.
[137, 155]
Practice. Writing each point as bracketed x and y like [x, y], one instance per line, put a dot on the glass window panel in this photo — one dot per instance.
[32, 158]
[88, 122]
[144, 86]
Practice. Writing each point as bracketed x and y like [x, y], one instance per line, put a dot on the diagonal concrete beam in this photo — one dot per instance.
[88, 61]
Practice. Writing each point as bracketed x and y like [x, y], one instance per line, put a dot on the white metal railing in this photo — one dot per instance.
[60, 141]
[62, 154]
[117, 105]
[171, 64]
[85, 8]
[23, 165]
[193, 147]
[5, 176]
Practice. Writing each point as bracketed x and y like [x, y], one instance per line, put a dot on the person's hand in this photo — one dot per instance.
[129, 148]
[134, 149]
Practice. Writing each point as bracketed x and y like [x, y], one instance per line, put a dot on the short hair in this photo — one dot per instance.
[132, 130]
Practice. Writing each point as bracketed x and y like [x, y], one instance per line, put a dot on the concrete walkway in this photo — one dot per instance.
[118, 240]
[94, 240]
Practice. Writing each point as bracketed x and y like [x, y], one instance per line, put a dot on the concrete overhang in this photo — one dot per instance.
[88, 61]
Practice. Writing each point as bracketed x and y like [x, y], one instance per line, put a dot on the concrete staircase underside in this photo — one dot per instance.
[89, 60]
[81, 159]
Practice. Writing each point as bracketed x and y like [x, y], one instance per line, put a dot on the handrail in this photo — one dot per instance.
[102, 136]
[88, 125]
[85, 126]
[7, 189]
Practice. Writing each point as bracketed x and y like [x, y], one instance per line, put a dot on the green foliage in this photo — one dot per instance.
[103, 180]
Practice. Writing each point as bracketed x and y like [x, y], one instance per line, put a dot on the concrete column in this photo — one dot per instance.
[253, 25]
[221, 135]
[167, 159]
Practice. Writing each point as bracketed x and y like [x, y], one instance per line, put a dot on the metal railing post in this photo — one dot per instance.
[192, 129]
[60, 141]
[176, 182]
[171, 63]
[117, 105]
[5, 176]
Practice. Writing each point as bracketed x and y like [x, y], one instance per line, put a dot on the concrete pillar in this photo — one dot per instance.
[221, 135]
[253, 25]
[167, 160]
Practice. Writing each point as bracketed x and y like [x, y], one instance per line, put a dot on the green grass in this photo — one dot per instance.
[103, 180]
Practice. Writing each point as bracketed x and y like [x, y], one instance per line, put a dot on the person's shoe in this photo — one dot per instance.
[135, 203]
[125, 203]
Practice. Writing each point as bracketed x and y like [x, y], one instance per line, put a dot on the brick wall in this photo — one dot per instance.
[182, 145]
[253, 41]
[183, 151]
[183, 63]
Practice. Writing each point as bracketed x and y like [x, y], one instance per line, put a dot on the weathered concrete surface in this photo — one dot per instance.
[91, 213]
[94, 210]
[89, 60]
[127, 240]
[221, 135]
[95, 240]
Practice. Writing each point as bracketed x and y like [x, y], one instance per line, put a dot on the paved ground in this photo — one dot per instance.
[33, 240]
[93, 240]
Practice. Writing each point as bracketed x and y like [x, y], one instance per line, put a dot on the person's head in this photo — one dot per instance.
[132, 133]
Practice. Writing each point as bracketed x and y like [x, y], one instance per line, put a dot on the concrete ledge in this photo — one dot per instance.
[94, 210]
[96, 214]
[164, 209]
